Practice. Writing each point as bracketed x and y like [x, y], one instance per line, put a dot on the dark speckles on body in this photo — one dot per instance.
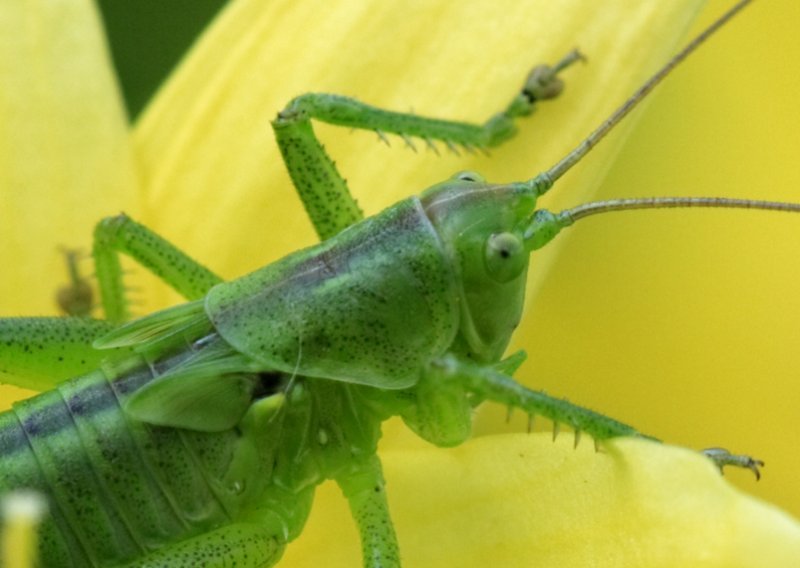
[33, 427]
[367, 307]
[76, 405]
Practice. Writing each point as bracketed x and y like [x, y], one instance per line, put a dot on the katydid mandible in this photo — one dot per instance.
[198, 433]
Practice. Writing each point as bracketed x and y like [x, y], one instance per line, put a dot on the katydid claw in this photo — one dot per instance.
[543, 81]
[722, 457]
[542, 84]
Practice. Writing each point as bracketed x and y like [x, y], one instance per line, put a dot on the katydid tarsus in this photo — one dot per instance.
[199, 433]
[75, 298]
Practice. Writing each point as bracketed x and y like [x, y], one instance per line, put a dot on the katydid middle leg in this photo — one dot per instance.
[363, 486]
[323, 190]
[121, 234]
[38, 353]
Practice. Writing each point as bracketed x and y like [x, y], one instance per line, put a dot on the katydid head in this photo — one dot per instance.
[483, 228]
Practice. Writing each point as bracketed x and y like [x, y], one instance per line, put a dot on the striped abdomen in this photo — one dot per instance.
[117, 488]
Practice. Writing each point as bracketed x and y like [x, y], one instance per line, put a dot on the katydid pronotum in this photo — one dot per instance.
[406, 313]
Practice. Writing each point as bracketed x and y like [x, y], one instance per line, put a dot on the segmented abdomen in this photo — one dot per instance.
[117, 488]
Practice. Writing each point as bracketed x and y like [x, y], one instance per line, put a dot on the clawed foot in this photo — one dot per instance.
[543, 81]
[723, 457]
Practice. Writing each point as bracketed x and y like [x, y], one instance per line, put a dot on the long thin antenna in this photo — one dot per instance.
[605, 206]
[544, 181]
[544, 225]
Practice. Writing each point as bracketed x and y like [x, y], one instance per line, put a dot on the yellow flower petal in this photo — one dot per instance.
[65, 160]
[520, 501]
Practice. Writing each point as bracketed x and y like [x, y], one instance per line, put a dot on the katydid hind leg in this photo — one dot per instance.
[38, 353]
[121, 234]
[323, 190]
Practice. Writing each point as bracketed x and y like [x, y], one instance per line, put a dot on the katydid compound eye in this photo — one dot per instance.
[469, 176]
[505, 257]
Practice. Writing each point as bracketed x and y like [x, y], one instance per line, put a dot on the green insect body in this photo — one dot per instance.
[196, 435]
[206, 438]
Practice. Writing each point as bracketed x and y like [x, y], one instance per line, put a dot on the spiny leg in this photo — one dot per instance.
[38, 353]
[441, 411]
[322, 189]
[363, 486]
[487, 384]
[121, 234]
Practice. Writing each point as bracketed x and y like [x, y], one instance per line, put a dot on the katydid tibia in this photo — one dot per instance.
[200, 432]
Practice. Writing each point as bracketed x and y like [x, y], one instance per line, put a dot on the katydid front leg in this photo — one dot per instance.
[439, 416]
[324, 191]
[445, 394]
[451, 374]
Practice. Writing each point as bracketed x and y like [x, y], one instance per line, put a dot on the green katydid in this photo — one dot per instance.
[209, 424]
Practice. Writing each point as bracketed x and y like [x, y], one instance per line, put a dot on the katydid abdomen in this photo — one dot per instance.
[179, 439]
[117, 487]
